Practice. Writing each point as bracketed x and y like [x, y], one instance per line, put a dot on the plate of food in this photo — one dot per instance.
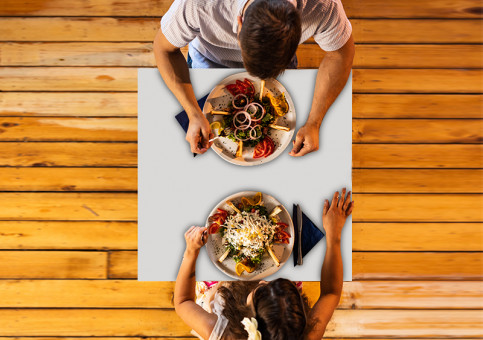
[253, 120]
[250, 235]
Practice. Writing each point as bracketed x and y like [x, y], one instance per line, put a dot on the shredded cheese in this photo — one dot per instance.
[249, 233]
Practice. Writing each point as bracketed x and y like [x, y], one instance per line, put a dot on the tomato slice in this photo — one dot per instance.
[251, 88]
[278, 239]
[260, 149]
[283, 234]
[257, 155]
[232, 88]
[214, 217]
[270, 146]
[268, 150]
[213, 228]
[223, 213]
[281, 226]
[242, 86]
[218, 218]
[264, 148]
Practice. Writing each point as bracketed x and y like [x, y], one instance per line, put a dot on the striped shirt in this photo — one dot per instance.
[210, 28]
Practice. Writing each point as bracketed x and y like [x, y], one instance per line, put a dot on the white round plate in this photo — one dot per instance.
[219, 98]
[267, 267]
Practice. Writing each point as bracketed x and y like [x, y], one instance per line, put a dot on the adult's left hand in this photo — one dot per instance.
[306, 141]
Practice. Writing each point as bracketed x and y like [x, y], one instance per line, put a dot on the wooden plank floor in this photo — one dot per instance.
[68, 177]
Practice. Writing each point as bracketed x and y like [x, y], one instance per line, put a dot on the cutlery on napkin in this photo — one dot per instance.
[299, 235]
[307, 235]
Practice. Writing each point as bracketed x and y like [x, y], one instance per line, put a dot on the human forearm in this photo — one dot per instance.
[333, 217]
[331, 79]
[186, 280]
[174, 70]
[332, 269]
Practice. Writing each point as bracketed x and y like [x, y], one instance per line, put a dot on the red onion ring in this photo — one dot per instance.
[252, 114]
[242, 124]
[237, 96]
[254, 128]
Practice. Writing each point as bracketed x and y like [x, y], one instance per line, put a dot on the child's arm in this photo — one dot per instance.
[184, 291]
[331, 280]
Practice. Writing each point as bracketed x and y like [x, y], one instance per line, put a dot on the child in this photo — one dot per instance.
[263, 310]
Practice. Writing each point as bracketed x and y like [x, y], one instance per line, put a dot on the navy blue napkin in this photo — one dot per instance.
[183, 119]
[311, 235]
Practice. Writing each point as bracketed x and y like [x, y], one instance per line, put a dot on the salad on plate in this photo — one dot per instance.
[248, 231]
[249, 117]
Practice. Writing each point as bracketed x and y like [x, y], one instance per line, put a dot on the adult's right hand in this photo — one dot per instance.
[199, 134]
[195, 238]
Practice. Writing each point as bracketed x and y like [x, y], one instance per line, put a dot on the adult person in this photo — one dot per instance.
[262, 36]
[266, 310]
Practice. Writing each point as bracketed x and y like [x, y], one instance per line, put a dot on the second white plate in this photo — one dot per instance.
[266, 267]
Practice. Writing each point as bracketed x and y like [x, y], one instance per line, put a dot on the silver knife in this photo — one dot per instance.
[299, 224]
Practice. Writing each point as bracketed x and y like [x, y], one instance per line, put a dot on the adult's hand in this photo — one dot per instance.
[335, 214]
[306, 140]
[199, 134]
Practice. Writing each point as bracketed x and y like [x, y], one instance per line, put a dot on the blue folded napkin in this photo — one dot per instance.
[183, 119]
[311, 235]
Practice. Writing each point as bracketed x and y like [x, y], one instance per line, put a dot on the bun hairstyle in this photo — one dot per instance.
[280, 310]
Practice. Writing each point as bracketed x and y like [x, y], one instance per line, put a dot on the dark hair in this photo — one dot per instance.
[280, 310]
[235, 295]
[269, 37]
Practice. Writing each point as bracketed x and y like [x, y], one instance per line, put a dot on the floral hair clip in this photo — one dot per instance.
[251, 326]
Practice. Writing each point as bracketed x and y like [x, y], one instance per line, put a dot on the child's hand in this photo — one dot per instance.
[335, 214]
[196, 238]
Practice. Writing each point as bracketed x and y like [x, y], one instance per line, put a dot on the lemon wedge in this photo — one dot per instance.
[217, 126]
[239, 268]
[257, 198]
[279, 104]
[246, 202]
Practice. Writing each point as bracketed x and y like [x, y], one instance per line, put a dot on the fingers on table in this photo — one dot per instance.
[349, 210]
[305, 150]
[326, 207]
[342, 198]
[297, 145]
[347, 201]
[335, 200]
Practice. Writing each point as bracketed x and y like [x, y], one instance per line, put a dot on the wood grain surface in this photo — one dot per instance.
[125, 79]
[134, 294]
[310, 55]
[156, 322]
[354, 8]
[68, 172]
